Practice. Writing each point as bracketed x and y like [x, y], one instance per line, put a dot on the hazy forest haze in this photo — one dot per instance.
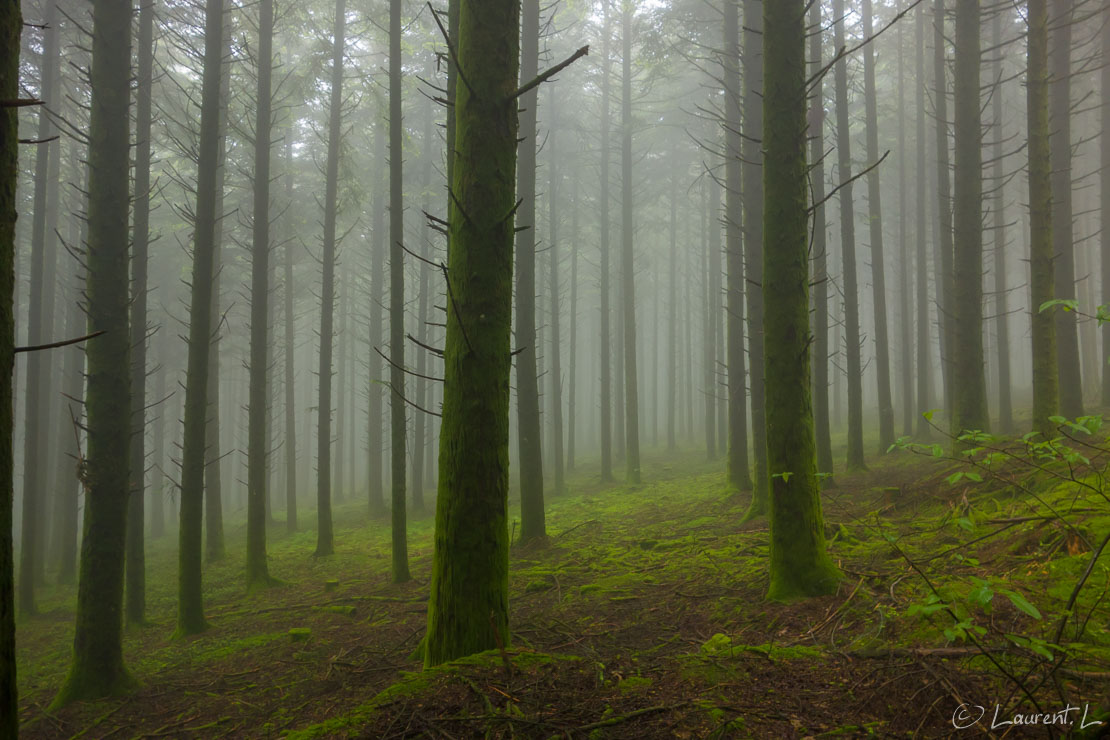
[585, 369]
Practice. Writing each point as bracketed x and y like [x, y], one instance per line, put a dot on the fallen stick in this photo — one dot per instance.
[631, 715]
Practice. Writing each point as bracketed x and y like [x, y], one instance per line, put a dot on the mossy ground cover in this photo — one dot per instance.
[641, 615]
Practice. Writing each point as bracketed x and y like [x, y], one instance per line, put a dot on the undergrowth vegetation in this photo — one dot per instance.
[972, 569]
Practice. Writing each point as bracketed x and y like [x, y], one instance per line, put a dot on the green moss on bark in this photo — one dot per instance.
[468, 609]
[800, 565]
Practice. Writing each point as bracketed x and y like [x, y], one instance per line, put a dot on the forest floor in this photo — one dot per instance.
[641, 616]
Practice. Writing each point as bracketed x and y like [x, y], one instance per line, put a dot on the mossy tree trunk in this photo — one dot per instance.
[190, 600]
[1063, 238]
[136, 557]
[736, 465]
[400, 559]
[325, 538]
[878, 267]
[854, 365]
[820, 253]
[468, 608]
[257, 439]
[529, 453]
[1041, 250]
[800, 566]
[970, 386]
[98, 669]
[11, 25]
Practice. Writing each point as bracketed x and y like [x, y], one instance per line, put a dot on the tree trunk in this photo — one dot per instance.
[1104, 206]
[136, 558]
[396, 301]
[735, 211]
[838, 375]
[375, 490]
[529, 453]
[11, 25]
[1041, 249]
[325, 539]
[420, 421]
[98, 669]
[970, 387]
[190, 615]
[258, 573]
[553, 278]
[820, 252]
[672, 319]
[603, 199]
[800, 566]
[924, 353]
[753, 243]
[943, 281]
[618, 371]
[1005, 404]
[214, 460]
[572, 379]
[420, 440]
[73, 386]
[628, 282]
[158, 475]
[290, 440]
[719, 389]
[709, 325]
[468, 607]
[878, 270]
[68, 486]
[848, 251]
[271, 377]
[904, 288]
[1067, 330]
[338, 484]
[40, 316]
